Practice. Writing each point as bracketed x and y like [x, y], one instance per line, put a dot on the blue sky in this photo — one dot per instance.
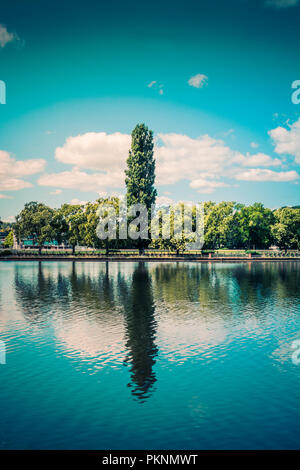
[78, 78]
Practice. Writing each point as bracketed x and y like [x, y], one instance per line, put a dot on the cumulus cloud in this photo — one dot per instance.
[198, 81]
[106, 154]
[150, 85]
[11, 171]
[256, 174]
[287, 141]
[98, 162]
[4, 196]
[206, 186]
[281, 3]
[82, 180]
[95, 151]
[182, 157]
[259, 159]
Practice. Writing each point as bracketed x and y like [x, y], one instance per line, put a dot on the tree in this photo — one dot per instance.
[140, 172]
[221, 225]
[9, 240]
[286, 229]
[92, 218]
[179, 234]
[35, 221]
[75, 220]
[255, 225]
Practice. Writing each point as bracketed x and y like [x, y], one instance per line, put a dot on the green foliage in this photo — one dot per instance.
[140, 172]
[73, 220]
[9, 240]
[255, 225]
[221, 228]
[232, 225]
[37, 221]
[179, 236]
[286, 229]
[88, 230]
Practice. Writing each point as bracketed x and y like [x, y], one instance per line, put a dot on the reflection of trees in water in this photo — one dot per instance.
[230, 286]
[259, 282]
[35, 296]
[97, 296]
[140, 331]
[95, 292]
[189, 284]
[41, 293]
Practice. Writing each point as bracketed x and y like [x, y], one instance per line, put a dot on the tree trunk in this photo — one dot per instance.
[40, 250]
[73, 249]
[107, 248]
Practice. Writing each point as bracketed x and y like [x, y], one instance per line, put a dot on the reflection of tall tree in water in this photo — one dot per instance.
[140, 331]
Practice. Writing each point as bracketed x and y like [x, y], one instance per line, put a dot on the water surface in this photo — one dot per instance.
[149, 355]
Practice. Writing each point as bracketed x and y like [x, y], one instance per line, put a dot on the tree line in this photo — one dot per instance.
[226, 224]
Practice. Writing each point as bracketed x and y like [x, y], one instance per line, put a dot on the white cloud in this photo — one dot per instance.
[104, 153]
[205, 186]
[154, 84]
[98, 162]
[281, 3]
[10, 219]
[259, 159]
[57, 191]
[102, 193]
[257, 174]
[5, 36]
[78, 179]
[198, 81]
[287, 141]
[182, 157]
[96, 151]
[11, 171]
[164, 201]
[77, 202]
[254, 145]
[4, 196]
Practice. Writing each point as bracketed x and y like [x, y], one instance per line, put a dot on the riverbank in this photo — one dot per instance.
[151, 259]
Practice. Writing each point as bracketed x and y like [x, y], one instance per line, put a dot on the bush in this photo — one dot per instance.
[252, 252]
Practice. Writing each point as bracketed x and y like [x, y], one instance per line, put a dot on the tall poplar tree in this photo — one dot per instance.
[140, 172]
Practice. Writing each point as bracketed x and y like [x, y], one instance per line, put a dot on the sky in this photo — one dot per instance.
[213, 80]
